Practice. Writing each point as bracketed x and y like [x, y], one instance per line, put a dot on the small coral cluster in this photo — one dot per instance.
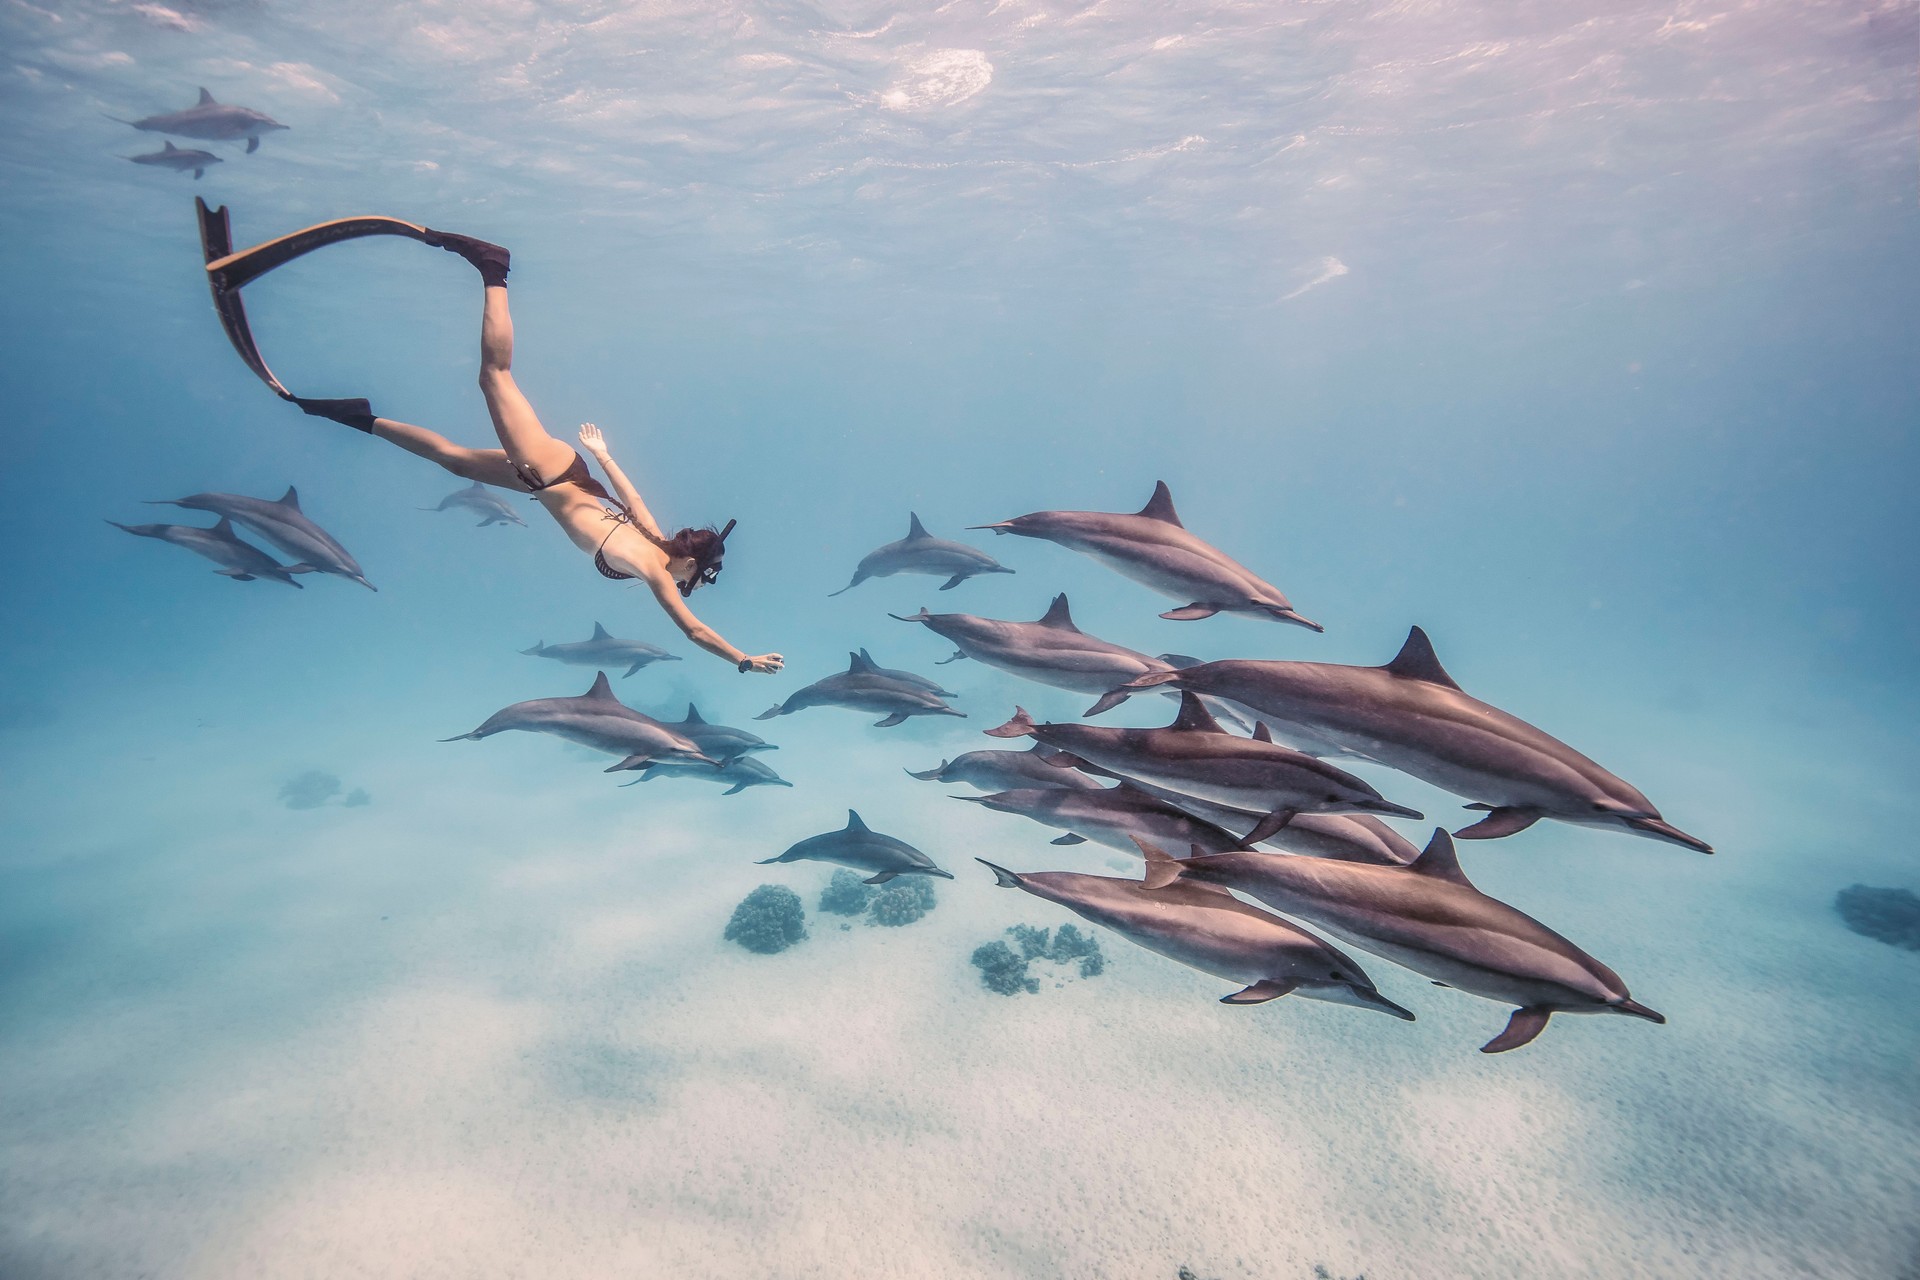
[1891, 916]
[902, 902]
[317, 787]
[767, 920]
[1004, 970]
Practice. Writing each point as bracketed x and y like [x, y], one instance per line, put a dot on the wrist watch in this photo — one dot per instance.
[746, 665]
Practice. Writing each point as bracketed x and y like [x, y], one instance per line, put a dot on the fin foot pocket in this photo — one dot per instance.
[355, 413]
[490, 260]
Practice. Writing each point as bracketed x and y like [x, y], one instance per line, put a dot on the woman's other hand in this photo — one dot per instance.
[766, 664]
[592, 440]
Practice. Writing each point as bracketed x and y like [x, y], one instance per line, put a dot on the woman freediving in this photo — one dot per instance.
[617, 530]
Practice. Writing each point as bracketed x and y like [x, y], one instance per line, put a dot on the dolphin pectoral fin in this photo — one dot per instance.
[882, 878]
[1106, 702]
[253, 145]
[1191, 612]
[199, 173]
[635, 667]
[771, 712]
[1499, 822]
[1069, 838]
[898, 717]
[1525, 1024]
[304, 567]
[1270, 826]
[638, 761]
[238, 575]
[958, 655]
[735, 789]
[954, 581]
[1260, 992]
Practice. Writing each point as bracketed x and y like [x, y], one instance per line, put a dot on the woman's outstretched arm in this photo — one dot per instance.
[629, 497]
[700, 633]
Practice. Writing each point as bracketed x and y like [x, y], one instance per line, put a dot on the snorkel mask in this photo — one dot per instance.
[707, 565]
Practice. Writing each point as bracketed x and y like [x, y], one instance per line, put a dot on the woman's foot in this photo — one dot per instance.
[490, 260]
[355, 413]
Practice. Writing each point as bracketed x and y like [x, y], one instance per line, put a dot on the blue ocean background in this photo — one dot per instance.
[1585, 341]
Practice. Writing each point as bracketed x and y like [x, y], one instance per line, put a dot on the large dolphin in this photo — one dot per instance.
[1153, 548]
[738, 773]
[603, 649]
[178, 159]
[921, 552]
[241, 561]
[723, 742]
[858, 846]
[282, 523]
[864, 687]
[1411, 716]
[211, 121]
[1429, 917]
[595, 719]
[1195, 756]
[905, 677]
[1211, 930]
[483, 502]
[1117, 817]
[1007, 771]
[1050, 651]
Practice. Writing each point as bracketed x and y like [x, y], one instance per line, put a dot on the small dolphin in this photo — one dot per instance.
[603, 649]
[921, 552]
[1050, 651]
[863, 849]
[1195, 756]
[1211, 930]
[481, 501]
[1429, 917]
[1007, 771]
[1411, 716]
[722, 742]
[244, 562]
[1117, 817]
[739, 773]
[595, 719]
[283, 524]
[1153, 548]
[905, 677]
[863, 687]
[210, 121]
[178, 159]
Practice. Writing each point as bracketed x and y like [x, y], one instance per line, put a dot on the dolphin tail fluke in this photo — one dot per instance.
[1526, 1023]
[931, 775]
[776, 709]
[1002, 877]
[1260, 992]
[1005, 526]
[958, 655]
[767, 862]
[1499, 822]
[1191, 612]
[534, 652]
[1639, 1010]
[1020, 726]
[1162, 868]
[475, 736]
[921, 616]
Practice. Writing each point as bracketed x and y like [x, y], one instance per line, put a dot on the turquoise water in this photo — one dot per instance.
[1585, 343]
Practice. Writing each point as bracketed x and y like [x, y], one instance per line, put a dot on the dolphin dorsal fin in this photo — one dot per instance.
[1194, 715]
[224, 528]
[1439, 861]
[602, 688]
[1160, 505]
[861, 662]
[168, 146]
[291, 498]
[600, 632]
[854, 823]
[1261, 733]
[206, 99]
[914, 528]
[693, 715]
[1057, 615]
[1416, 661]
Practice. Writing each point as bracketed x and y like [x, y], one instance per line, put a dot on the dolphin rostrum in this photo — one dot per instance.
[178, 159]
[603, 649]
[211, 121]
[1195, 756]
[241, 561]
[1007, 771]
[1050, 651]
[856, 845]
[738, 773]
[285, 525]
[481, 501]
[722, 742]
[1209, 929]
[1117, 817]
[1429, 917]
[595, 719]
[906, 677]
[864, 687]
[921, 552]
[1153, 548]
[1411, 716]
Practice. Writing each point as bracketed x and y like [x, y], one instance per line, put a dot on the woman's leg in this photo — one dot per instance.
[488, 466]
[514, 420]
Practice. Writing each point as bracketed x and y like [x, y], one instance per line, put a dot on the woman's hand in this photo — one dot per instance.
[592, 440]
[766, 664]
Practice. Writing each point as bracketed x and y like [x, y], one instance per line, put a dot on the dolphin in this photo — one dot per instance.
[1209, 929]
[1411, 716]
[595, 719]
[1196, 757]
[1007, 771]
[1117, 817]
[724, 743]
[282, 523]
[603, 649]
[1351, 837]
[1153, 548]
[921, 552]
[211, 121]
[242, 561]
[863, 687]
[1428, 917]
[905, 677]
[858, 846]
[1049, 651]
[740, 773]
[481, 501]
[178, 159]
